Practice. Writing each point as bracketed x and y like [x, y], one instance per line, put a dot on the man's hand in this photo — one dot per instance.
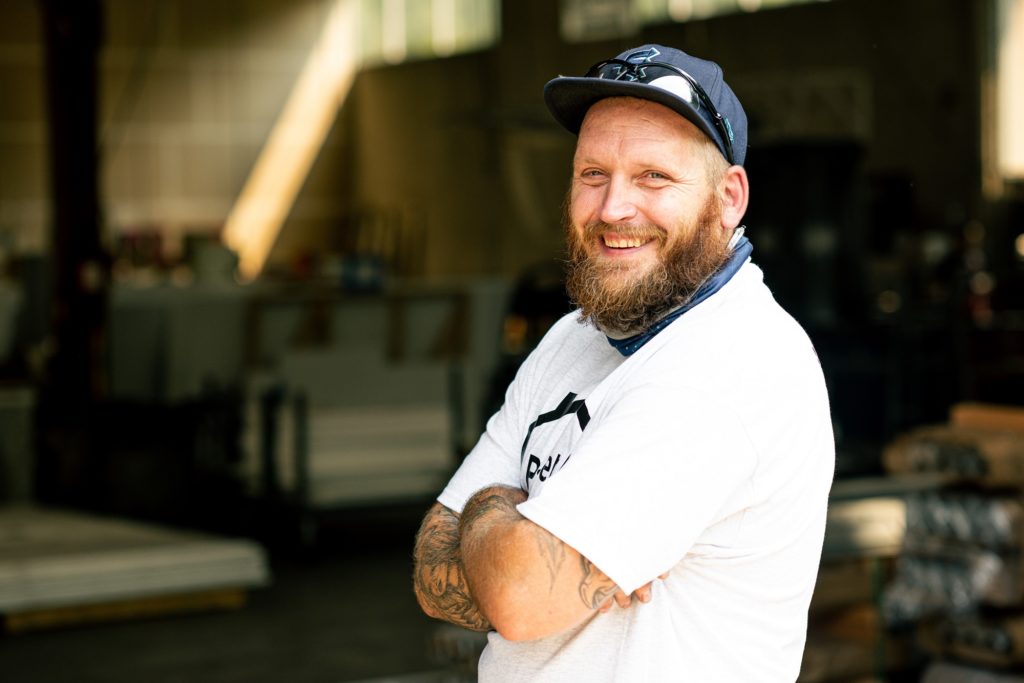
[643, 594]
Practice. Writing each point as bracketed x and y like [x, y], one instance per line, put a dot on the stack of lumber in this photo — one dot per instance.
[959, 580]
[60, 567]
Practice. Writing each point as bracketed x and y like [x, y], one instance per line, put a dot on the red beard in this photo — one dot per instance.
[620, 303]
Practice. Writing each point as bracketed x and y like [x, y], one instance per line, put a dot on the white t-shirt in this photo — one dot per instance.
[708, 453]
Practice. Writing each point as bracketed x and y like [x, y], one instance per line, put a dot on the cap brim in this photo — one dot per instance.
[570, 97]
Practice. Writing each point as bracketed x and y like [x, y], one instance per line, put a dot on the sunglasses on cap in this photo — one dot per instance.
[648, 72]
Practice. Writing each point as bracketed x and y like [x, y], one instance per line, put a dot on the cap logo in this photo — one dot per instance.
[641, 56]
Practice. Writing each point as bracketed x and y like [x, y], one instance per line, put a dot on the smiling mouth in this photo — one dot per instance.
[621, 242]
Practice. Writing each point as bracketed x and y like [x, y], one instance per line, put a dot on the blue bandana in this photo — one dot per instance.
[740, 253]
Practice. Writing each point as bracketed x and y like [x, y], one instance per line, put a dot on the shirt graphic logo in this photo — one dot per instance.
[535, 467]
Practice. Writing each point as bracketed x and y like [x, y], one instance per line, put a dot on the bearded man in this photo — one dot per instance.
[649, 502]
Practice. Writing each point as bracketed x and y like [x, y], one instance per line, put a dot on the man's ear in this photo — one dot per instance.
[734, 191]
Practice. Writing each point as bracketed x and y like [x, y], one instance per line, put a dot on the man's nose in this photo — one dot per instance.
[619, 203]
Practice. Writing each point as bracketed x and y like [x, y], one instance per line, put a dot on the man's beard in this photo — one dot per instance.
[621, 302]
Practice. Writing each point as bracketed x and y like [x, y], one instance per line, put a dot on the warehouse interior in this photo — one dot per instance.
[267, 266]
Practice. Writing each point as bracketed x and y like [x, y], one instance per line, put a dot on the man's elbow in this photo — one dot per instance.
[521, 630]
[426, 605]
[518, 627]
[516, 618]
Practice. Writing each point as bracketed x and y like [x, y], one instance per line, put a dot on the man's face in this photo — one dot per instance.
[643, 222]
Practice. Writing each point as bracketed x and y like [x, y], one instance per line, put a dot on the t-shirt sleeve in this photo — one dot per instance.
[645, 481]
[490, 462]
[495, 457]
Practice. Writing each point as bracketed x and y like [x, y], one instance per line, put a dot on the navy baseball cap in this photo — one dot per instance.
[692, 87]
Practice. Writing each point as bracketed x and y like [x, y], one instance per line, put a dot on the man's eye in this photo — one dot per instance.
[592, 174]
[655, 175]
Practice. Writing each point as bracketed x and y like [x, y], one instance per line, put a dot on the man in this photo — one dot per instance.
[649, 503]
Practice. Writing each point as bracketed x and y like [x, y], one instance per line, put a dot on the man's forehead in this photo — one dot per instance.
[633, 113]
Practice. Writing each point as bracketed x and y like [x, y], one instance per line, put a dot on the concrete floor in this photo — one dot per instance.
[341, 612]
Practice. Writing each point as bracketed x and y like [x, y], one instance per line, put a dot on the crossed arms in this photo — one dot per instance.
[493, 568]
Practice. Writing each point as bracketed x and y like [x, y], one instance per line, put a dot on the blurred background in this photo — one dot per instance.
[267, 266]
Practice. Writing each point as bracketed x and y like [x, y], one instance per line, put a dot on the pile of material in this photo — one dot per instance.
[350, 428]
[847, 638]
[959, 581]
[60, 567]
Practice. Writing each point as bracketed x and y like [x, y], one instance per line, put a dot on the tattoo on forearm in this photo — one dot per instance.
[595, 587]
[438, 577]
[553, 552]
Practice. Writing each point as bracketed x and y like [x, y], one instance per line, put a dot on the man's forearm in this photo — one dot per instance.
[527, 582]
[438, 578]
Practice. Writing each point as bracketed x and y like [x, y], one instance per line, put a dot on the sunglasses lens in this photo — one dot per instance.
[677, 85]
[664, 77]
[613, 71]
[655, 72]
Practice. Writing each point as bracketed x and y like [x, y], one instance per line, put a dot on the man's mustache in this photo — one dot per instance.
[643, 231]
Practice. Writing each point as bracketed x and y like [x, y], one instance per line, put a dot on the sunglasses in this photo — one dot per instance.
[646, 72]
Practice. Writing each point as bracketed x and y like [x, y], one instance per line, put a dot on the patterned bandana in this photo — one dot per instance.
[740, 253]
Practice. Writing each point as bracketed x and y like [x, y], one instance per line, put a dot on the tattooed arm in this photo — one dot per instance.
[527, 582]
[438, 579]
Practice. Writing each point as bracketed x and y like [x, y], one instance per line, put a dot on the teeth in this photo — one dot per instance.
[622, 242]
